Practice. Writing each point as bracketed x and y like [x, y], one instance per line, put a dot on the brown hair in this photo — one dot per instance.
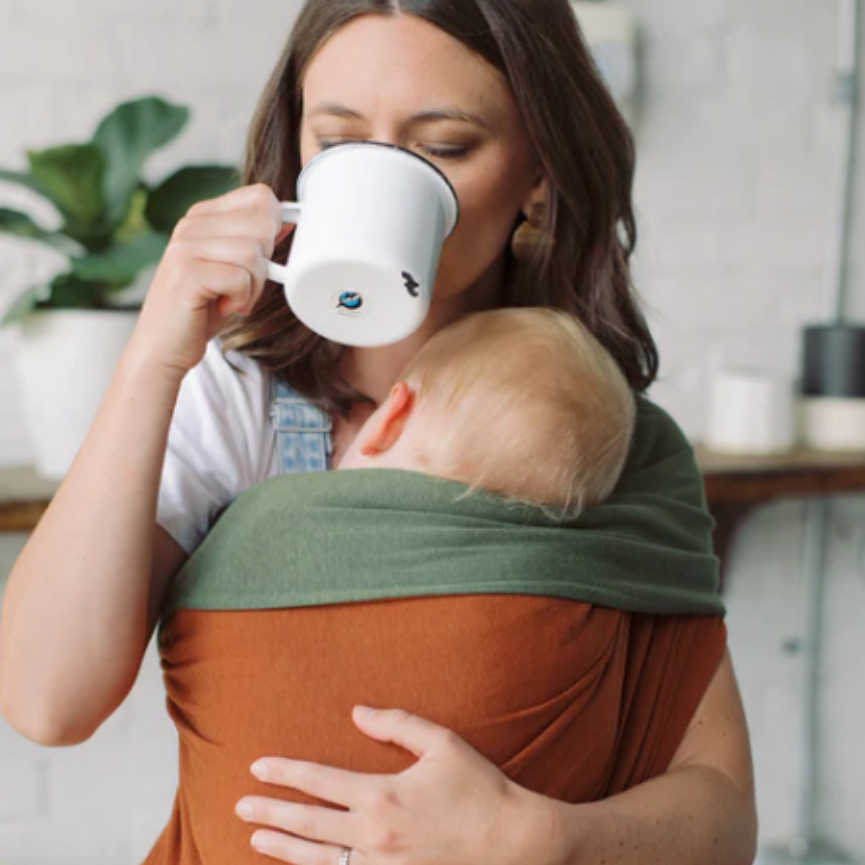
[549, 424]
[582, 143]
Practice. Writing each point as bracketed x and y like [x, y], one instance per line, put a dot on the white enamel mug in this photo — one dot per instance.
[371, 220]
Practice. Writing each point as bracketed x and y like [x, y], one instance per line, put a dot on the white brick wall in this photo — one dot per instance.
[734, 196]
[734, 191]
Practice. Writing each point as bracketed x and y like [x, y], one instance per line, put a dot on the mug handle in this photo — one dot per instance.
[291, 213]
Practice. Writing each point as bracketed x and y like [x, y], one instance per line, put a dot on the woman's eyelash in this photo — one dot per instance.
[436, 152]
[446, 153]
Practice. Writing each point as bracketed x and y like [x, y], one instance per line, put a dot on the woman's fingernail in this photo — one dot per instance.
[259, 769]
[244, 809]
[364, 711]
[260, 843]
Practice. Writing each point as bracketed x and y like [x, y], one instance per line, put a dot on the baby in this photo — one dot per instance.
[524, 403]
[475, 578]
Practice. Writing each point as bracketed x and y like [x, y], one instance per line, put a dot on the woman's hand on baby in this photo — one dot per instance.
[213, 268]
[451, 807]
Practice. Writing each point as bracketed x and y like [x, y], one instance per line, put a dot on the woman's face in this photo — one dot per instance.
[400, 80]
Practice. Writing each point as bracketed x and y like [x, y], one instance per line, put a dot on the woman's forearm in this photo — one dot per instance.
[75, 611]
[700, 812]
[693, 816]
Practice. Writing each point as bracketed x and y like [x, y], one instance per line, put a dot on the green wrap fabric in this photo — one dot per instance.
[374, 534]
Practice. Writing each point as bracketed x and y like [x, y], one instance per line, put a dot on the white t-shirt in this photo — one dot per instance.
[221, 443]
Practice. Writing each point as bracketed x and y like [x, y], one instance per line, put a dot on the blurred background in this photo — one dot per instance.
[735, 120]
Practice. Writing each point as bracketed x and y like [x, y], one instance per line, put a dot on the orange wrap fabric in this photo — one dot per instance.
[571, 700]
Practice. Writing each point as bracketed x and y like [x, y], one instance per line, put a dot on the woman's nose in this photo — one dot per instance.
[388, 135]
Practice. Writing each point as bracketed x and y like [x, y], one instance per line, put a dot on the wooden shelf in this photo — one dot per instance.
[735, 484]
[735, 480]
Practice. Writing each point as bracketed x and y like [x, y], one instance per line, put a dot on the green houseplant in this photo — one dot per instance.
[114, 227]
[114, 224]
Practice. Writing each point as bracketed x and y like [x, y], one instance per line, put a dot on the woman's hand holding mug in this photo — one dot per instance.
[373, 220]
[215, 266]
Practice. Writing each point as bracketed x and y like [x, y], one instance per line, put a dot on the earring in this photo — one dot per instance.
[530, 239]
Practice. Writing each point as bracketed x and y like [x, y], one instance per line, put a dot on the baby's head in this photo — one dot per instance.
[524, 403]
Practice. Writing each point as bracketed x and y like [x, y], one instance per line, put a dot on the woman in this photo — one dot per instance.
[502, 96]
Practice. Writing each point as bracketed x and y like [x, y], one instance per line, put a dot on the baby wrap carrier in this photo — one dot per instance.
[571, 653]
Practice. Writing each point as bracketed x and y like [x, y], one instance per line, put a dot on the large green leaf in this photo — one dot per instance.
[135, 222]
[126, 137]
[23, 305]
[69, 291]
[169, 202]
[71, 176]
[21, 225]
[120, 264]
[21, 179]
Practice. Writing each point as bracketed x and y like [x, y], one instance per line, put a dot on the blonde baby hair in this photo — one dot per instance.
[524, 403]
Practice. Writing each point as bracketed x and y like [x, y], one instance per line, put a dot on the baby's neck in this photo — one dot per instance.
[395, 458]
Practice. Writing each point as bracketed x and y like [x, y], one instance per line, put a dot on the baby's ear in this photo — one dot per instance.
[390, 421]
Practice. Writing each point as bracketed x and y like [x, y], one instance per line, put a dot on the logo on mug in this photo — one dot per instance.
[411, 284]
[350, 300]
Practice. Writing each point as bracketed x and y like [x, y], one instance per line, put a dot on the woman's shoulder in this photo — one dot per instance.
[227, 388]
[226, 370]
[221, 442]
[656, 430]
[229, 394]
[661, 457]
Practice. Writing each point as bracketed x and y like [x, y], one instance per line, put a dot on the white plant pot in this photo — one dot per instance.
[65, 360]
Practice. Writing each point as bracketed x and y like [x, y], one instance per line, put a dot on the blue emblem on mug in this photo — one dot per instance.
[350, 300]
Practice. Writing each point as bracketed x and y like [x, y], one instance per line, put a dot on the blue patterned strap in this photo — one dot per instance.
[303, 442]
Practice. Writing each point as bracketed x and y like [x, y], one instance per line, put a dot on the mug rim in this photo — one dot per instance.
[454, 199]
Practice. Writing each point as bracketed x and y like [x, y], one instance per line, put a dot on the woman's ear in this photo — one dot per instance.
[390, 421]
[538, 198]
